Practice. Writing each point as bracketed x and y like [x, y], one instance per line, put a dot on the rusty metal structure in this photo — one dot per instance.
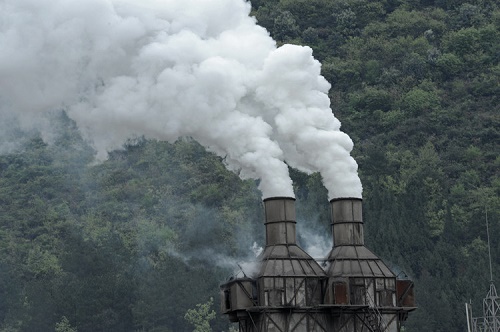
[291, 292]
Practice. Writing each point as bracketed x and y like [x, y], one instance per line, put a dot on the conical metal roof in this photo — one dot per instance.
[349, 257]
[356, 261]
[288, 260]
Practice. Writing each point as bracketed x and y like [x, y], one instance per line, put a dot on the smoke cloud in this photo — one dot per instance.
[168, 69]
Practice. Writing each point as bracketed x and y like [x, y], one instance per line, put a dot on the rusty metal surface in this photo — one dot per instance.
[404, 293]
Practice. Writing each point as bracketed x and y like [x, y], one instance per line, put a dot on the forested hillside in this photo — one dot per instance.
[417, 86]
[126, 245]
[134, 242]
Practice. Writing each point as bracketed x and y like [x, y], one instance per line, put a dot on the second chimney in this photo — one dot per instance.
[347, 222]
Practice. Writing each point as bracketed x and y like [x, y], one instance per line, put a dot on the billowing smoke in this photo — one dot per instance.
[173, 68]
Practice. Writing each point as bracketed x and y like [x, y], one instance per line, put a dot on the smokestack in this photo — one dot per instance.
[286, 292]
[356, 276]
[349, 257]
[347, 222]
[282, 256]
[280, 220]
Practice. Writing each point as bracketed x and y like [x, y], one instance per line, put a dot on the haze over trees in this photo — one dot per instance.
[135, 242]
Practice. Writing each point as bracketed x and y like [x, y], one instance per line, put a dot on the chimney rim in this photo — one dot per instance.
[278, 198]
[346, 199]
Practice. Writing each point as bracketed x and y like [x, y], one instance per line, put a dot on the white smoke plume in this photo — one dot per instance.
[316, 244]
[173, 68]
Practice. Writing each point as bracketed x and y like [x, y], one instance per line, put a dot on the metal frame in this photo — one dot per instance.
[490, 322]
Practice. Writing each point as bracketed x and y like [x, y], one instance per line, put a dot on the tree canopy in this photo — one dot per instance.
[137, 241]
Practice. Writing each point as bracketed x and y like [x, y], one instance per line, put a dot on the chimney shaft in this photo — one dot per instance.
[347, 222]
[280, 220]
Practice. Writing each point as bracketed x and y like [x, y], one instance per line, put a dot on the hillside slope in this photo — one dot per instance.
[132, 243]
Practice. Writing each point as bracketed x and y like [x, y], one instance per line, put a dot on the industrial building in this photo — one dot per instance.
[355, 291]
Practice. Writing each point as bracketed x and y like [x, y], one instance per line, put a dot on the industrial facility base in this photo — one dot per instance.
[353, 291]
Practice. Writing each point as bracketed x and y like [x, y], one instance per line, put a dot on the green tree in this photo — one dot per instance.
[64, 326]
[285, 26]
[201, 316]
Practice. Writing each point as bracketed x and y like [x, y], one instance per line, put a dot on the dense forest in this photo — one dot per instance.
[141, 241]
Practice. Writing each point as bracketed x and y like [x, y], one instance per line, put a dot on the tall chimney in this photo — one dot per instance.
[282, 256]
[347, 222]
[349, 257]
[280, 220]
[357, 277]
